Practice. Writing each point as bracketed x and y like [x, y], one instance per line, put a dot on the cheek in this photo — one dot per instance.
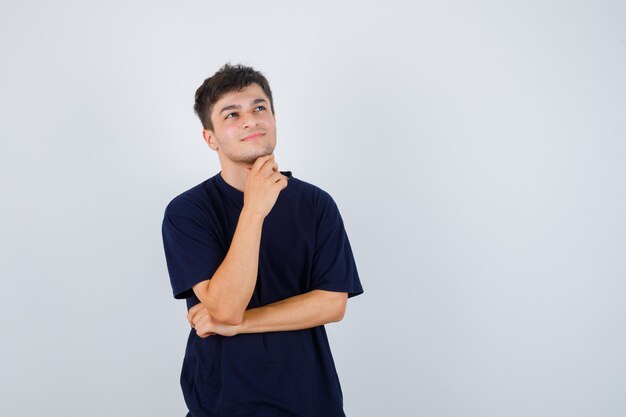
[268, 122]
[230, 131]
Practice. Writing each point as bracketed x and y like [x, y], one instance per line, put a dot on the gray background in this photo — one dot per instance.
[476, 151]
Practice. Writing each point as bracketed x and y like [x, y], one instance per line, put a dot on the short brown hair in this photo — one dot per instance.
[229, 78]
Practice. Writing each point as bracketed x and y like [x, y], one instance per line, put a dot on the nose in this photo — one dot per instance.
[248, 120]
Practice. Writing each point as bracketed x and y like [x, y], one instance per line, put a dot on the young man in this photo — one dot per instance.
[263, 260]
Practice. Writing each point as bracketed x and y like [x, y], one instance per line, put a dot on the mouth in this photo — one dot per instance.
[253, 136]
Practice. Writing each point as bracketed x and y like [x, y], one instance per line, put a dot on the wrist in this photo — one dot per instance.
[251, 215]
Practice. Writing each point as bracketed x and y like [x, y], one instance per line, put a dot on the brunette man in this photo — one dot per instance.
[263, 260]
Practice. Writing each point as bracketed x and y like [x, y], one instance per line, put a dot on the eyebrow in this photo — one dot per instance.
[237, 106]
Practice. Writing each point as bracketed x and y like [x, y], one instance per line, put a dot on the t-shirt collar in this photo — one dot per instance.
[222, 184]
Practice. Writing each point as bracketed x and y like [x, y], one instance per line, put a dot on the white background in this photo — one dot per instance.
[476, 151]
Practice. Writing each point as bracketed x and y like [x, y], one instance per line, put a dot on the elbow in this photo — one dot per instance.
[227, 317]
[223, 313]
[339, 310]
[340, 314]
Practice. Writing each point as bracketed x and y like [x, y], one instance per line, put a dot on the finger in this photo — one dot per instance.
[270, 168]
[280, 179]
[276, 176]
[199, 318]
[190, 319]
[193, 311]
[260, 161]
[282, 183]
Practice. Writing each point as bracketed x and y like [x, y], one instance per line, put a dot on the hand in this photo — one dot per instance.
[264, 184]
[200, 319]
[194, 314]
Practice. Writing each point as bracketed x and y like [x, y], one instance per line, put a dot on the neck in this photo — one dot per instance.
[236, 175]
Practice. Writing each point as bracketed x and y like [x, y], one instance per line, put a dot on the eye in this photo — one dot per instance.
[231, 114]
[260, 107]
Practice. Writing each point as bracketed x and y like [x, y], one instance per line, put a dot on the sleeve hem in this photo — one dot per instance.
[186, 291]
[352, 292]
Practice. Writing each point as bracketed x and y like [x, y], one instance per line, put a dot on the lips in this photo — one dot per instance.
[253, 136]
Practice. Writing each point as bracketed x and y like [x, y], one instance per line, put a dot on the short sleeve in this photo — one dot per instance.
[192, 251]
[334, 267]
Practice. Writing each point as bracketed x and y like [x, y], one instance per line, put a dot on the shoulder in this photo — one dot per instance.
[310, 192]
[194, 201]
[318, 200]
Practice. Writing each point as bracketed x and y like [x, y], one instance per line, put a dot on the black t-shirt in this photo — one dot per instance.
[304, 247]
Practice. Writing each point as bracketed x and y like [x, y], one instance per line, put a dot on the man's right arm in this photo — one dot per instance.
[227, 294]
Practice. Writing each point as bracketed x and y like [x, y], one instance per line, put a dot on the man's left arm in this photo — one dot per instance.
[303, 311]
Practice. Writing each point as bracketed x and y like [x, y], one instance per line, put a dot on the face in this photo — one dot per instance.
[244, 127]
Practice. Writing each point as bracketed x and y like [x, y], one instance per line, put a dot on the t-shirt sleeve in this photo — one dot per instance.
[334, 267]
[192, 251]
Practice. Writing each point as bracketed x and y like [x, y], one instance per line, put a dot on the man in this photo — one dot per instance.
[263, 260]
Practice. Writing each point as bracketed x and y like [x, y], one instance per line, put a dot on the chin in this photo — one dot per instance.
[249, 159]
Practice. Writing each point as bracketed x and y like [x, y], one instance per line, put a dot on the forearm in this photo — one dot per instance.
[303, 311]
[230, 289]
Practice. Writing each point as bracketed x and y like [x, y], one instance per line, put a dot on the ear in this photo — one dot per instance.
[209, 138]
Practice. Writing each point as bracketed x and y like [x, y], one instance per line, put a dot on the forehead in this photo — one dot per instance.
[242, 97]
